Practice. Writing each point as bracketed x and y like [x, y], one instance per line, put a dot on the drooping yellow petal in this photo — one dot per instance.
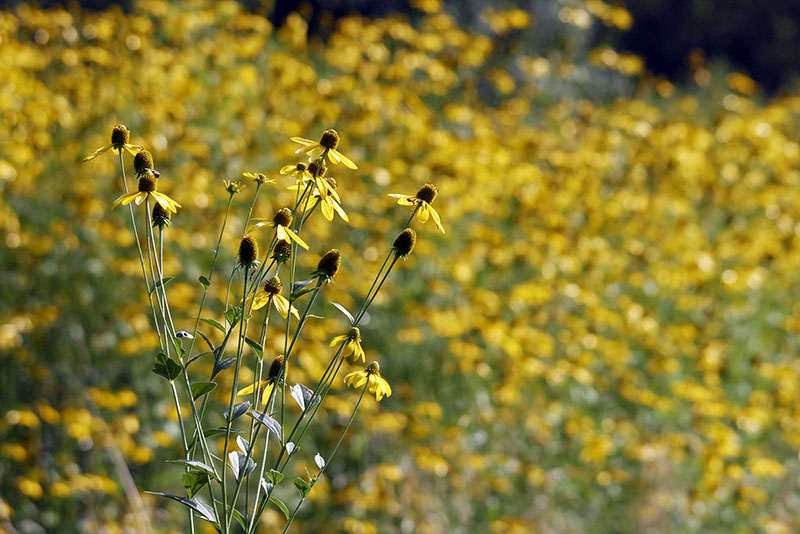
[435, 217]
[340, 211]
[339, 339]
[327, 210]
[260, 300]
[344, 159]
[303, 141]
[315, 152]
[358, 352]
[125, 199]
[267, 391]
[404, 200]
[293, 236]
[249, 389]
[133, 149]
[97, 152]
[422, 213]
[283, 306]
[288, 169]
[280, 233]
[140, 198]
[166, 202]
[257, 223]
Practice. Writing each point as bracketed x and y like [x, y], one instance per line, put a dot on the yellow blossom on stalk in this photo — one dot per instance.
[299, 171]
[371, 375]
[267, 385]
[233, 187]
[352, 344]
[272, 293]
[423, 199]
[147, 188]
[327, 145]
[280, 221]
[258, 177]
[120, 136]
[328, 203]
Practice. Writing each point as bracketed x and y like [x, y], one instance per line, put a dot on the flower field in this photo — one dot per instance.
[605, 338]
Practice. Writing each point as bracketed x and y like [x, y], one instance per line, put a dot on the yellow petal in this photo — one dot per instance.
[133, 149]
[296, 238]
[327, 210]
[435, 217]
[262, 297]
[315, 152]
[267, 391]
[282, 305]
[340, 211]
[288, 169]
[249, 389]
[358, 352]
[280, 232]
[302, 140]
[97, 152]
[140, 197]
[344, 159]
[257, 223]
[422, 213]
[339, 339]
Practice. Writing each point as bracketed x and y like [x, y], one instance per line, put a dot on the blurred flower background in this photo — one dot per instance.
[605, 339]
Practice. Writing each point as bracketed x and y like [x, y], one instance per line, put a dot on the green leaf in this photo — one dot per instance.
[204, 282]
[240, 519]
[302, 486]
[194, 481]
[205, 511]
[238, 410]
[275, 476]
[280, 505]
[195, 464]
[256, 346]
[160, 283]
[297, 294]
[233, 316]
[201, 388]
[215, 324]
[166, 367]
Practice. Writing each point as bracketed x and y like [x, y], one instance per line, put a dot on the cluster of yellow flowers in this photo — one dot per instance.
[608, 338]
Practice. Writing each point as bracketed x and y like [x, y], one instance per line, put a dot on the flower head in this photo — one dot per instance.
[233, 187]
[120, 136]
[352, 344]
[404, 243]
[142, 161]
[248, 252]
[282, 251]
[280, 221]
[422, 202]
[147, 187]
[161, 217]
[267, 385]
[272, 293]
[371, 375]
[328, 144]
[328, 265]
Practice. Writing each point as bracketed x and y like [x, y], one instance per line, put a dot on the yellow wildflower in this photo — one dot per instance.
[371, 375]
[327, 146]
[267, 385]
[147, 188]
[352, 344]
[280, 221]
[120, 136]
[424, 198]
[272, 293]
[258, 177]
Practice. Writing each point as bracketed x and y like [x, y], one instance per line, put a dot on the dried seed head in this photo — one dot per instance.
[273, 286]
[329, 263]
[120, 135]
[313, 166]
[283, 217]
[283, 251]
[428, 193]
[275, 368]
[404, 242]
[354, 333]
[330, 139]
[142, 161]
[161, 217]
[374, 369]
[147, 182]
[248, 251]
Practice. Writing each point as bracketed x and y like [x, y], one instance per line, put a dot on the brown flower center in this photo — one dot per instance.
[330, 139]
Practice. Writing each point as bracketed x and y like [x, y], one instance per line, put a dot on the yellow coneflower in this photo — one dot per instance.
[143, 161]
[352, 344]
[404, 243]
[424, 198]
[329, 203]
[258, 177]
[371, 375]
[272, 292]
[120, 136]
[233, 186]
[160, 218]
[265, 385]
[328, 265]
[280, 221]
[299, 171]
[147, 188]
[248, 252]
[282, 251]
[328, 144]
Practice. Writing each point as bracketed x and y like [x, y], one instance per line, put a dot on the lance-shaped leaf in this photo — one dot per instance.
[271, 424]
[275, 476]
[205, 511]
[166, 367]
[215, 324]
[277, 502]
[221, 365]
[160, 283]
[302, 486]
[257, 348]
[194, 481]
[233, 316]
[344, 311]
[240, 464]
[299, 289]
[196, 465]
[304, 397]
[201, 388]
[238, 410]
[242, 443]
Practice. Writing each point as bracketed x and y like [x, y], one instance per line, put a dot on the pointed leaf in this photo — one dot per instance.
[238, 410]
[221, 365]
[304, 396]
[240, 464]
[257, 348]
[201, 388]
[299, 293]
[344, 311]
[215, 324]
[275, 476]
[239, 519]
[195, 464]
[198, 506]
[271, 424]
[194, 481]
[233, 316]
[297, 286]
[242, 443]
[204, 282]
[277, 502]
[166, 367]
[302, 486]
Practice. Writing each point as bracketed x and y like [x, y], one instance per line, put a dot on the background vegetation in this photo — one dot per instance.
[605, 340]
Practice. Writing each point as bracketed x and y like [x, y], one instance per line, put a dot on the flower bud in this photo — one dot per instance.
[248, 251]
[142, 161]
[160, 217]
[404, 242]
[329, 263]
[282, 251]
